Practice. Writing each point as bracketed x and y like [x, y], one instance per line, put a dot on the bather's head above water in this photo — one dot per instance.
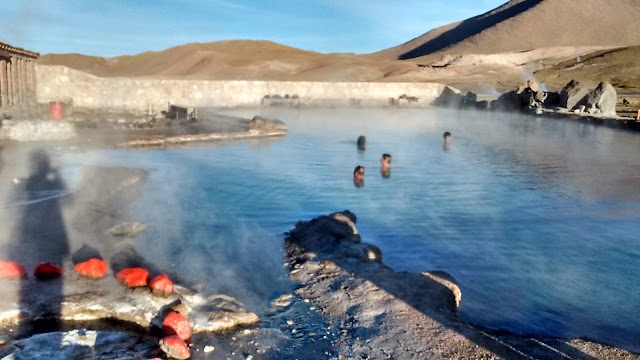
[358, 176]
[385, 165]
[447, 140]
[362, 142]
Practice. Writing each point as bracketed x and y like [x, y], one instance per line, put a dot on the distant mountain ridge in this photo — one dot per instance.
[183, 60]
[233, 60]
[529, 24]
[494, 49]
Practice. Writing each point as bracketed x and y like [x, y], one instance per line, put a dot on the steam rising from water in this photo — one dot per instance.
[514, 210]
[526, 76]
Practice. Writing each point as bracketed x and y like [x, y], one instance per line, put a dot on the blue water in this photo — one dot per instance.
[537, 219]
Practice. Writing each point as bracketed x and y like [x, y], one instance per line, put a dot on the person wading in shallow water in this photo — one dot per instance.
[362, 142]
[385, 165]
[358, 176]
[447, 141]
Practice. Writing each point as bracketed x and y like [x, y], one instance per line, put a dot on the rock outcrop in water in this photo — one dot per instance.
[602, 100]
[262, 124]
[380, 313]
[241, 129]
[453, 99]
[574, 98]
[527, 97]
[573, 94]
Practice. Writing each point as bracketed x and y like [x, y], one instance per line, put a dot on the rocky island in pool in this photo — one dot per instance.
[126, 130]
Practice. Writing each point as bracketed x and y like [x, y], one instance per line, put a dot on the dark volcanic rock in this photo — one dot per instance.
[47, 270]
[527, 97]
[553, 99]
[449, 98]
[509, 101]
[573, 94]
[482, 105]
[602, 100]
[259, 123]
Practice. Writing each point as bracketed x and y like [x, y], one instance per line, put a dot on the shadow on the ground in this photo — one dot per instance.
[40, 236]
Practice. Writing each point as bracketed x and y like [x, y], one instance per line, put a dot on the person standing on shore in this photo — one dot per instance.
[385, 165]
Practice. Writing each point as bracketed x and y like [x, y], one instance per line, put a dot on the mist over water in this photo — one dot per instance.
[535, 218]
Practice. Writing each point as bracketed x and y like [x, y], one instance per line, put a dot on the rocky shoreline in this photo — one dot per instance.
[129, 133]
[258, 127]
[574, 102]
[380, 313]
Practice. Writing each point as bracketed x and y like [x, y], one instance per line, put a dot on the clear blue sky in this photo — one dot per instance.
[118, 27]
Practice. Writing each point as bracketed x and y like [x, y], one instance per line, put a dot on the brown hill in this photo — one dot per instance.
[487, 52]
[182, 61]
[529, 24]
[235, 59]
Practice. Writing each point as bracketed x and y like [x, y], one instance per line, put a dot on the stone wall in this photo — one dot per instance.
[58, 83]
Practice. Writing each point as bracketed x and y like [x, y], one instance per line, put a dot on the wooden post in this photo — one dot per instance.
[16, 80]
[3, 83]
[15, 99]
[19, 82]
[23, 81]
[34, 80]
[9, 83]
[31, 80]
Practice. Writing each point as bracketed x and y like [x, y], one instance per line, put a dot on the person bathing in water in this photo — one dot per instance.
[358, 176]
[385, 165]
[447, 141]
[362, 142]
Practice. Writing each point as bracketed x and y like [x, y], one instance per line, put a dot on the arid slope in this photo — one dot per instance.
[234, 59]
[530, 24]
[620, 67]
[493, 51]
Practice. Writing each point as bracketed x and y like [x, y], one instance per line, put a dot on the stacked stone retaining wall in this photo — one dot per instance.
[59, 83]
